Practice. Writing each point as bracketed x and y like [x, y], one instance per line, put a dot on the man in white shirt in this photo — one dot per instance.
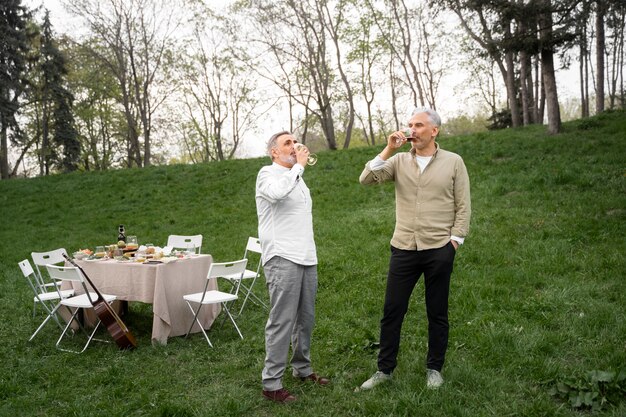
[284, 209]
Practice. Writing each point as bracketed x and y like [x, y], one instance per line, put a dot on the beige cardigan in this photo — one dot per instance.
[431, 205]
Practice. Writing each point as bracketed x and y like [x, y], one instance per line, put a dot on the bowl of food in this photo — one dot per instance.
[80, 255]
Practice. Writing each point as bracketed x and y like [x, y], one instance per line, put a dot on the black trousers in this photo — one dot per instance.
[405, 269]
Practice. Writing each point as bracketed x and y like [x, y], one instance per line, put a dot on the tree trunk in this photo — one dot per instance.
[526, 88]
[547, 69]
[44, 167]
[538, 83]
[332, 26]
[392, 83]
[4, 153]
[511, 90]
[584, 104]
[600, 46]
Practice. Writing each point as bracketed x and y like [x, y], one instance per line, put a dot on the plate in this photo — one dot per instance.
[94, 260]
[164, 260]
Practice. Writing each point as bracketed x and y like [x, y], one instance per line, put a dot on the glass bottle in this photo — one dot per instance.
[121, 233]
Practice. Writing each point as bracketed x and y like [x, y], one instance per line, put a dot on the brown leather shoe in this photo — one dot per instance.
[279, 396]
[315, 378]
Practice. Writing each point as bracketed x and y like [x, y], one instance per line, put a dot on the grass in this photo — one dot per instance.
[538, 293]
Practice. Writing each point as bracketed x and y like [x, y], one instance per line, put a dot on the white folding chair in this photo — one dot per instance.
[50, 301]
[41, 259]
[237, 280]
[185, 242]
[213, 296]
[78, 302]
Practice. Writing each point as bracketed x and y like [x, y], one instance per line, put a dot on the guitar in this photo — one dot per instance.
[114, 324]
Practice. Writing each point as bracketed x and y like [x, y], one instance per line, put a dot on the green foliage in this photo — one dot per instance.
[500, 120]
[464, 125]
[54, 73]
[537, 294]
[14, 40]
[595, 391]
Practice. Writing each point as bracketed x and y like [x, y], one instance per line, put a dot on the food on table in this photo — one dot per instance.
[80, 255]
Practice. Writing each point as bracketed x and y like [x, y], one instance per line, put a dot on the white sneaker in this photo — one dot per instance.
[378, 378]
[433, 379]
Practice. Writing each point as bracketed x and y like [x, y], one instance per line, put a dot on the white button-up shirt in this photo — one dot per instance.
[284, 208]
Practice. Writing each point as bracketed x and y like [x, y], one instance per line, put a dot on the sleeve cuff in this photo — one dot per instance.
[376, 163]
[457, 239]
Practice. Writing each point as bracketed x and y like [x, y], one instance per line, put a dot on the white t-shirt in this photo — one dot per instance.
[284, 208]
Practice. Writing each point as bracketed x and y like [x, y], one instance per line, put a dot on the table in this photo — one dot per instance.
[162, 285]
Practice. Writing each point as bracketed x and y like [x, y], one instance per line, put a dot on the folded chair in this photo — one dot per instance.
[207, 297]
[78, 302]
[41, 259]
[185, 242]
[50, 301]
[237, 280]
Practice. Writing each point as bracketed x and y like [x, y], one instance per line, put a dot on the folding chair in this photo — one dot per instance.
[213, 296]
[78, 302]
[48, 300]
[185, 242]
[41, 259]
[253, 246]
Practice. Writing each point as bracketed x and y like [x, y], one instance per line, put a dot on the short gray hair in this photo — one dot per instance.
[271, 144]
[433, 116]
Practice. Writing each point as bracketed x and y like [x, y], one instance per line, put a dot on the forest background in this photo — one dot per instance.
[134, 83]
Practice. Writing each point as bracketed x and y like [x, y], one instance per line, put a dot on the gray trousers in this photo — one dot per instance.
[292, 289]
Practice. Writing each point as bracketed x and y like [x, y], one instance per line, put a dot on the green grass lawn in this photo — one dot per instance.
[538, 294]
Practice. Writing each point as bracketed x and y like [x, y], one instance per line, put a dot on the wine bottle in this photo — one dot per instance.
[121, 233]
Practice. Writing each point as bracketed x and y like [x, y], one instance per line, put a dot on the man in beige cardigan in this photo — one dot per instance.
[432, 219]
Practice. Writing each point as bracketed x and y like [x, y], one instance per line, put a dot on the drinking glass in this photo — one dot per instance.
[111, 250]
[100, 252]
[311, 159]
[408, 133]
[131, 242]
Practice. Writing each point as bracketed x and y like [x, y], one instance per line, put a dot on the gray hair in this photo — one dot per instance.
[271, 144]
[433, 116]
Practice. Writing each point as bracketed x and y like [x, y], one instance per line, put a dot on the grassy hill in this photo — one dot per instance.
[538, 295]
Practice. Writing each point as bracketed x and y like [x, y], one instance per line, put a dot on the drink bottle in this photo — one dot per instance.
[121, 233]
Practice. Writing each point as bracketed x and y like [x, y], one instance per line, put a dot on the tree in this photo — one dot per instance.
[14, 41]
[215, 92]
[334, 26]
[100, 119]
[582, 36]
[55, 102]
[136, 39]
[600, 50]
[547, 66]
[407, 32]
[314, 62]
[488, 24]
[367, 52]
[616, 25]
